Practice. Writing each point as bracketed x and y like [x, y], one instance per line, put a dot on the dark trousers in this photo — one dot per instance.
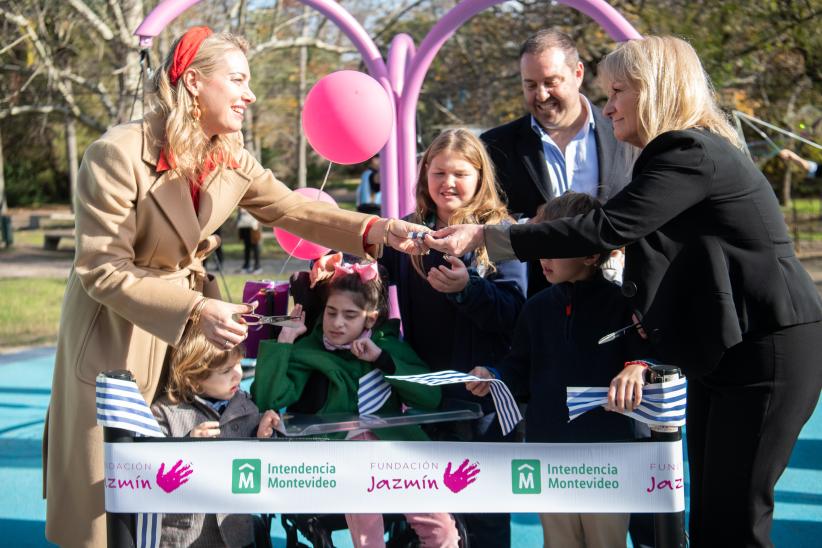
[249, 248]
[743, 421]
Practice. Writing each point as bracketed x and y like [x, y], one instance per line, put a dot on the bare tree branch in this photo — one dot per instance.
[45, 56]
[52, 109]
[275, 44]
[94, 20]
[125, 35]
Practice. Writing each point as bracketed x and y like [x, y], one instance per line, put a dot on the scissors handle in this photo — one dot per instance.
[616, 334]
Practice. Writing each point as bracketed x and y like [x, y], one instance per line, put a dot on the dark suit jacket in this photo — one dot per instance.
[519, 160]
[709, 259]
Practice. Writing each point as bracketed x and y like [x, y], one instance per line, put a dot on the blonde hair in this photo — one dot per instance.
[674, 91]
[184, 136]
[192, 361]
[485, 207]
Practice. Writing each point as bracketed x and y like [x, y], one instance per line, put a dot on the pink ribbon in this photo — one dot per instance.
[366, 272]
[332, 266]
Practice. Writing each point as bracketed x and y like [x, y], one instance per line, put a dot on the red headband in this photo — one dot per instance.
[186, 50]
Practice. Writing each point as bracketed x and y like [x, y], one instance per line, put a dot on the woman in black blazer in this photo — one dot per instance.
[713, 279]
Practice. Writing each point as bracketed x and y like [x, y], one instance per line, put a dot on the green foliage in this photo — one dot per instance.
[29, 310]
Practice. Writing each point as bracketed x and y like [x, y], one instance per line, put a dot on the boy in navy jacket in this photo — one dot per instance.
[555, 346]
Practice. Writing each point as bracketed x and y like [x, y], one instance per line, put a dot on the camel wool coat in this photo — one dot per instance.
[136, 278]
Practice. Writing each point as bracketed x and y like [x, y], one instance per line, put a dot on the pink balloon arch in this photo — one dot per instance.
[402, 75]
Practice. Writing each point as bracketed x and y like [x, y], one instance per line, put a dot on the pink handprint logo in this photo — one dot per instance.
[462, 477]
[175, 477]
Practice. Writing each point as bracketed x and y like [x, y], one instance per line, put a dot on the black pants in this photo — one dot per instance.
[249, 249]
[743, 421]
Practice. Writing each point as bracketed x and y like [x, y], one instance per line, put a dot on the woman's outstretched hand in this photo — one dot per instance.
[400, 234]
[625, 392]
[222, 323]
[457, 239]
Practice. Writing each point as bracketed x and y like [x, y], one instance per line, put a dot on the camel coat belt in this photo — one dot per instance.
[136, 278]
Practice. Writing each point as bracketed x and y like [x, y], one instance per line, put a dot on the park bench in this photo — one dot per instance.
[46, 220]
[51, 238]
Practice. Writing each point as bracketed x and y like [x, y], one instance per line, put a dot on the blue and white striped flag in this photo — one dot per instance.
[373, 392]
[507, 410]
[121, 405]
[663, 404]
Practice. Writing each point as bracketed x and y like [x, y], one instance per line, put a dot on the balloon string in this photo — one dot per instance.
[319, 193]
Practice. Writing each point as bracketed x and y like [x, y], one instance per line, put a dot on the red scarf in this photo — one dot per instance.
[166, 162]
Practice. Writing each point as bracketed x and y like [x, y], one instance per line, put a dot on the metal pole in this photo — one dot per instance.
[120, 528]
[669, 527]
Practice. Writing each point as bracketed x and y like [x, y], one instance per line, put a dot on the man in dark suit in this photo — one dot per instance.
[564, 142]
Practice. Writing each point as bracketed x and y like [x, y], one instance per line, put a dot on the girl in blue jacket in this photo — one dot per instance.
[459, 312]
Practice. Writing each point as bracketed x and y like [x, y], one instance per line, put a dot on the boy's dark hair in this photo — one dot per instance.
[569, 204]
[370, 295]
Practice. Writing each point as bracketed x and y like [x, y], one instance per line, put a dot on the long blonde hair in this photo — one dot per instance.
[184, 136]
[674, 91]
[486, 207]
[192, 361]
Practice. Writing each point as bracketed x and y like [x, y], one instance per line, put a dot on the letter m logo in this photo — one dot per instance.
[525, 477]
[245, 476]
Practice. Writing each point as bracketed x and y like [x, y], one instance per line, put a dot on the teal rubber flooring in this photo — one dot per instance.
[25, 387]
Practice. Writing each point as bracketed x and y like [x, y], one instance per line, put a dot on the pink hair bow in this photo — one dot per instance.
[366, 272]
[324, 267]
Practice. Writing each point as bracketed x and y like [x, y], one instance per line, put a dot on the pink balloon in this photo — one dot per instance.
[347, 117]
[296, 246]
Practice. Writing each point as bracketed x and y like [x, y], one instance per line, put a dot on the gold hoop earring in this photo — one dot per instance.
[196, 113]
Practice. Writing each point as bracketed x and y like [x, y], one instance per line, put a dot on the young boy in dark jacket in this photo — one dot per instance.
[554, 347]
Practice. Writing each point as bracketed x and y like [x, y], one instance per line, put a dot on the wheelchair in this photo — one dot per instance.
[317, 529]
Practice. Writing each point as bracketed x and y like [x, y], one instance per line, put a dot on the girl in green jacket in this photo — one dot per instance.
[345, 357]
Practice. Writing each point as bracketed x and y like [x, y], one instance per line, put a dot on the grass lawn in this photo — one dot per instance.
[30, 308]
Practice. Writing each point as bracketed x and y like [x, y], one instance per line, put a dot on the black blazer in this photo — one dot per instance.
[709, 259]
[519, 160]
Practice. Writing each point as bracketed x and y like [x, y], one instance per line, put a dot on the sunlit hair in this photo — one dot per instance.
[569, 204]
[546, 39]
[370, 296]
[192, 361]
[184, 136]
[486, 207]
[674, 91]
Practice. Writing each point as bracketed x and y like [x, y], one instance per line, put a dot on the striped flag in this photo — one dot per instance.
[121, 405]
[663, 404]
[507, 410]
[373, 392]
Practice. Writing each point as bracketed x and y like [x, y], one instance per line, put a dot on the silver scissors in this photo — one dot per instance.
[258, 320]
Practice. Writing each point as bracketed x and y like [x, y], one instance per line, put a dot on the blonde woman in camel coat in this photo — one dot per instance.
[138, 276]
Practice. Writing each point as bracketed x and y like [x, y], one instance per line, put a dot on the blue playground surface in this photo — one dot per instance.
[25, 387]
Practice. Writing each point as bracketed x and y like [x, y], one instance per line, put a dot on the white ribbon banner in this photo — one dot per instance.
[235, 476]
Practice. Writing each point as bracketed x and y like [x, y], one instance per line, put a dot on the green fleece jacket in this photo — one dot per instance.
[284, 369]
